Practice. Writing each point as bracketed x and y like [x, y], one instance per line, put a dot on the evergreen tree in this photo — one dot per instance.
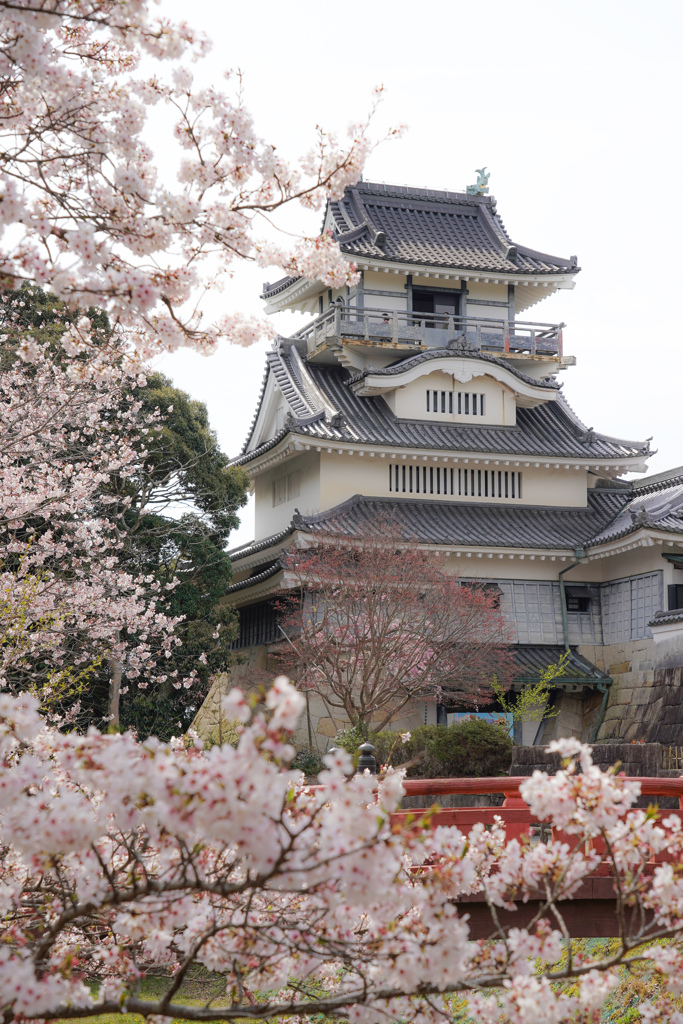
[173, 515]
[182, 506]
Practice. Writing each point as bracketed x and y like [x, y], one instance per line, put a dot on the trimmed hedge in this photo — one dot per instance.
[464, 749]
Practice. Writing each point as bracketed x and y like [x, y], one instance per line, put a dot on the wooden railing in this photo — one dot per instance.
[514, 813]
[386, 326]
[592, 911]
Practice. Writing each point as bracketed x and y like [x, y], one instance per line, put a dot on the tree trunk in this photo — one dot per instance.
[115, 693]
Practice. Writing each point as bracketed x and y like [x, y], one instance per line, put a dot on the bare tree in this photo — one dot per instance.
[375, 623]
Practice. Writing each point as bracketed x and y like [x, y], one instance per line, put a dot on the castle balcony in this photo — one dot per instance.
[345, 325]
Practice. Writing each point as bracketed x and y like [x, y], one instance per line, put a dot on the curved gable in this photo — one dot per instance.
[451, 387]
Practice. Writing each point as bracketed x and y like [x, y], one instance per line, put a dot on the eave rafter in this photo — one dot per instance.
[641, 538]
[293, 444]
[535, 287]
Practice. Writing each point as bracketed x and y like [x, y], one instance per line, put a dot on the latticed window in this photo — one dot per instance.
[286, 487]
[258, 625]
[460, 403]
[457, 483]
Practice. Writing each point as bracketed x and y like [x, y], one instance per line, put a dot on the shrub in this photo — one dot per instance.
[308, 762]
[465, 749]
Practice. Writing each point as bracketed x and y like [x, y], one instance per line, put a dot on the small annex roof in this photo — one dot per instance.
[664, 618]
[657, 506]
[429, 228]
[323, 407]
[531, 660]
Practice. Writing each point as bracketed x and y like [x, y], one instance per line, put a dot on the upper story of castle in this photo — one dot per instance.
[422, 383]
[434, 267]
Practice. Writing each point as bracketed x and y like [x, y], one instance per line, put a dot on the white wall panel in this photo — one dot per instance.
[628, 605]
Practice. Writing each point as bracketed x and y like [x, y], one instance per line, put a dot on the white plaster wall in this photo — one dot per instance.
[271, 519]
[490, 292]
[628, 563]
[392, 302]
[342, 476]
[486, 313]
[383, 283]
[435, 282]
[504, 568]
[554, 487]
[667, 645]
[672, 574]
[410, 402]
[275, 419]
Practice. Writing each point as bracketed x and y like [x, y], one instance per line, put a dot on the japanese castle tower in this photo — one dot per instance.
[426, 392]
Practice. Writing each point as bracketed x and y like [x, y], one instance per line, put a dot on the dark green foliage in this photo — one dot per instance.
[174, 515]
[308, 762]
[30, 312]
[183, 506]
[465, 749]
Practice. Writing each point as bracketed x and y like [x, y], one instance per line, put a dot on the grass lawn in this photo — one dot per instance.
[196, 991]
[621, 1007]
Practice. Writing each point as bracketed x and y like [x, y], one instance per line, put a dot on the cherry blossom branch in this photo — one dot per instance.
[97, 220]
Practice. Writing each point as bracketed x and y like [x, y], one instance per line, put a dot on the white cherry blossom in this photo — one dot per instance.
[87, 208]
[122, 859]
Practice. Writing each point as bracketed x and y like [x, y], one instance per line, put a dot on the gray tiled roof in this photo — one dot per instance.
[656, 507]
[429, 228]
[612, 512]
[662, 618]
[532, 659]
[550, 430]
[472, 524]
[439, 353]
[259, 577]
[254, 546]
[290, 384]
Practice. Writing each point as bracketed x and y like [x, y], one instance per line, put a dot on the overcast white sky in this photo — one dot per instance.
[576, 111]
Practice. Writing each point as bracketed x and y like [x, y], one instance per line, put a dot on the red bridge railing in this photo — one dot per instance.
[591, 913]
[514, 812]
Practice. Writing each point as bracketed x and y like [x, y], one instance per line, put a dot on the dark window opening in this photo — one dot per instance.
[258, 625]
[578, 599]
[437, 305]
[675, 596]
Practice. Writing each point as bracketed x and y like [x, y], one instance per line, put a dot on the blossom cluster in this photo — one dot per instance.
[84, 208]
[122, 859]
[69, 431]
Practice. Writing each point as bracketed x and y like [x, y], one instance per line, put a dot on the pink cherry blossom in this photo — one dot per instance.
[97, 220]
[123, 859]
[65, 599]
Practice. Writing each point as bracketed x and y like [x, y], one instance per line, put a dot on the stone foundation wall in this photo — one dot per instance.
[633, 703]
[578, 715]
[645, 703]
[640, 760]
[637, 759]
[663, 715]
